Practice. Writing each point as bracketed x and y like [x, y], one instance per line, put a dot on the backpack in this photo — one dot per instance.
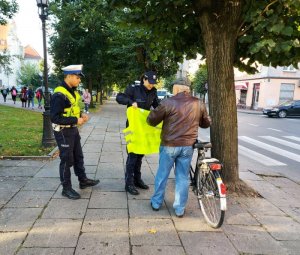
[14, 92]
[4, 92]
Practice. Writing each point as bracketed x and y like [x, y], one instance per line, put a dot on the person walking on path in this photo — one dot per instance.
[23, 96]
[39, 97]
[181, 114]
[138, 96]
[30, 97]
[65, 115]
[4, 93]
[86, 96]
[14, 93]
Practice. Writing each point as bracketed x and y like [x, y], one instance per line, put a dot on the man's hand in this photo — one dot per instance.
[80, 121]
[134, 105]
[85, 117]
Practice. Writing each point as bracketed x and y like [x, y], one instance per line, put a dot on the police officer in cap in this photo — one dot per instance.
[66, 116]
[143, 96]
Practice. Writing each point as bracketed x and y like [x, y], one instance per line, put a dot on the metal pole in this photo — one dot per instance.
[48, 137]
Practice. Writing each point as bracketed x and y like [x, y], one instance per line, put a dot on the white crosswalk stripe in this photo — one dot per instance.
[293, 138]
[273, 149]
[283, 142]
[259, 157]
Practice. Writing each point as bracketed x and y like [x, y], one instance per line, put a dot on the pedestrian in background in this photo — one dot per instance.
[30, 97]
[65, 115]
[138, 96]
[39, 97]
[4, 93]
[13, 93]
[23, 96]
[86, 96]
[181, 114]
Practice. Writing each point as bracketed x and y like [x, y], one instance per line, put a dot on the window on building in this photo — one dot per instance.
[289, 68]
[286, 92]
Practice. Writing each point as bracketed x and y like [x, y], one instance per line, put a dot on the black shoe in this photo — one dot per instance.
[140, 184]
[180, 215]
[153, 208]
[70, 193]
[87, 183]
[132, 190]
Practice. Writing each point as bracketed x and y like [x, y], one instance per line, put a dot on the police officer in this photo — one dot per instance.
[139, 96]
[65, 116]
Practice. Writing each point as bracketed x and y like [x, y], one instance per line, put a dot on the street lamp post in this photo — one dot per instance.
[48, 137]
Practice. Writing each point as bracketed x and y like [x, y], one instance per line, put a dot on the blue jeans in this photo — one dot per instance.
[182, 157]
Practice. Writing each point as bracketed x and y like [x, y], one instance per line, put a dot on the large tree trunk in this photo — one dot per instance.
[219, 22]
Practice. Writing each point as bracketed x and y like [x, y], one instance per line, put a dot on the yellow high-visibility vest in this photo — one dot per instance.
[141, 138]
[74, 110]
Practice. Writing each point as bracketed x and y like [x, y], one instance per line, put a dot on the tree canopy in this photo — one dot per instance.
[7, 10]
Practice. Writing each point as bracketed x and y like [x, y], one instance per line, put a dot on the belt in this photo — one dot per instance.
[57, 127]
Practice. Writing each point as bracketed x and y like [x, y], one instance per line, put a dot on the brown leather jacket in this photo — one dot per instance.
[181, 114]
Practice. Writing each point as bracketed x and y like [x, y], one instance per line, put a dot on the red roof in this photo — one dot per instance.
[31, 53]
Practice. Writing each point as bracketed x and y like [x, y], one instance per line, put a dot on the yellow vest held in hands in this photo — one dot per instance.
[141, 138]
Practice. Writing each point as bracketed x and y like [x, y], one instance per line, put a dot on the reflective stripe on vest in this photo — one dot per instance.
[74, 110]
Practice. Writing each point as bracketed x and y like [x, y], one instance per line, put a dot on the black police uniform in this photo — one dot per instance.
[145, 99]
[68, 139]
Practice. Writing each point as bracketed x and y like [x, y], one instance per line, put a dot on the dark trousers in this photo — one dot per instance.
[70, 152]
[133, 168]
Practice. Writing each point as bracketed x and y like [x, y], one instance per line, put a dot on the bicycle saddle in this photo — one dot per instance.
[202, 145]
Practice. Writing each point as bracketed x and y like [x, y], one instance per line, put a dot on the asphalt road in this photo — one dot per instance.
[267, 145]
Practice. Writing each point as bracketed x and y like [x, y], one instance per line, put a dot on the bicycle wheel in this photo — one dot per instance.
[209, 199]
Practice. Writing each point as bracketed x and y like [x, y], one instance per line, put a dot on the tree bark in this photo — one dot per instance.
[219, 22]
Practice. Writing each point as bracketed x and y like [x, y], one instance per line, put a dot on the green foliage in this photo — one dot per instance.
[7, 10]
[200, 80]
[168, 83]
[29, 75]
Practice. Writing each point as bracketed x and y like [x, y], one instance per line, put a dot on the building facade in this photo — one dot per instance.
[269, 87]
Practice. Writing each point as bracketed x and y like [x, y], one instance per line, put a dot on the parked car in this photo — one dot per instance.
[161, 93]
[290, 108]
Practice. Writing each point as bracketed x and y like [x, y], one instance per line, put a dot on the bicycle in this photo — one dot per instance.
[208, 186]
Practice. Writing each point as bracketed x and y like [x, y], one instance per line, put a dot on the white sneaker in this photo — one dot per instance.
[87, 112]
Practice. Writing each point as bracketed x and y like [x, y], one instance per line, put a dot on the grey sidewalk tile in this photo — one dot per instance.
[5, 163]
[104, 173]
[106, 185]
[18, 219]
[106, 220]
[111, 147]
[238, 215]
[142, 209]
[249, 176]
[32, 163]
[108, 200]
[46, 251]
[153, 232]
[292, 212]
[260, 206]
[112, 139]
[11, 241]
[92, 148]
[281, 228]
[33, 199]
[66, 209]
[42, 184]
[93, 143]
[103, 244]
[283, 182]
[25, 171]
[96, 137]
[293, 247]
[6, 195]
[253, 240]
[211, 243]
[108, 157]
[90, 169]
[49, 170]
[154, 250]
[145, 194]
[54, 233]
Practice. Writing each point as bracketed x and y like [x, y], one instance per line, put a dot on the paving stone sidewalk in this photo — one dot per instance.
[36, 219]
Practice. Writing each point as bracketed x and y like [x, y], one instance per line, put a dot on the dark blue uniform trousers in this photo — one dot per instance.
[68, 141]
[133, 168]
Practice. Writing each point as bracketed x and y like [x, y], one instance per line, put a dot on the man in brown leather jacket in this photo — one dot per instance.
[181, 114]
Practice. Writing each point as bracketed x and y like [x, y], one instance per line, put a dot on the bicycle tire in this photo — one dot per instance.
[209, 199]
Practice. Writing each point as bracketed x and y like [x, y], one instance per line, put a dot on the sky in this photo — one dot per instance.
[29, 25]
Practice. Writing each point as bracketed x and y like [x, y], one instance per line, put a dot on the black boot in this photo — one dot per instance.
[140, 184]
[87, 183]
[70, 193]
[132, 190]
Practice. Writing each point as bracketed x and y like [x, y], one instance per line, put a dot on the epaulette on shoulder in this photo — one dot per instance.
[133, 85]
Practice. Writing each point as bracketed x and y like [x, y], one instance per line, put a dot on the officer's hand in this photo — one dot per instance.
[80, 121]
[135, 105]
[85, 117]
